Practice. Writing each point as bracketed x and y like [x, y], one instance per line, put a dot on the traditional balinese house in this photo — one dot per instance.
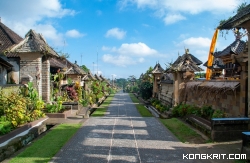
[56, 65]
[97, 77]
[183, 70]
[232, 68]
[74, 72]
[157, 72]
[241, 21]
[217, 68]
[34, 54]
[8, 38]
[88, 78]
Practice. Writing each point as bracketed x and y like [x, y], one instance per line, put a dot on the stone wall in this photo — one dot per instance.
[229, 101]
[45, 75]
[166, 94]
[31, 64]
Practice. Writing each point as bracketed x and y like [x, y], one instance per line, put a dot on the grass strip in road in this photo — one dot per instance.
[45, 148]
[182, 131]
[141, 109]
[101, 110]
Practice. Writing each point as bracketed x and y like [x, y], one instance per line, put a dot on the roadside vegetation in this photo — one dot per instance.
[141, 109]
[184, 133]
[45, 148]
[101, 110]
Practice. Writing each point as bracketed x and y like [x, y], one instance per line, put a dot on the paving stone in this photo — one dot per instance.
[122, 135]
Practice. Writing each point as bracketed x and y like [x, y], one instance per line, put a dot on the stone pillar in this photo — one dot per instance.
[248, 29]
[176, 88]
[46, 80]
[243, 76]
[155, 84]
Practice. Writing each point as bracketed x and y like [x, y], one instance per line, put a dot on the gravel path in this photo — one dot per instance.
[123, 136]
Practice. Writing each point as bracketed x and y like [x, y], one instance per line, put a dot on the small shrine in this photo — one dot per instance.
[157, 72]
[183, 70]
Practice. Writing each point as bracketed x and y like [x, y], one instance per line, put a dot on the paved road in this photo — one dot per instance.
[122, 136]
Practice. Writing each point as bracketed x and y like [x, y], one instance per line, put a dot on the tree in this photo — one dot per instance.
[63, 55]
[85, 68]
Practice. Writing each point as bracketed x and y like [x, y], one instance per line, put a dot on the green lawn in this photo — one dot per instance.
[182, 131]
[141, 109]
[45, 148]
[101, 110]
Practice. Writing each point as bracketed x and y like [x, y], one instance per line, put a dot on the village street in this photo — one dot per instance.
[124, 136]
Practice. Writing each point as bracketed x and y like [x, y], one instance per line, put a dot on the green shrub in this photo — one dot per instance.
[218, 114]
[207, 112]
[191, 109]
[5, 126]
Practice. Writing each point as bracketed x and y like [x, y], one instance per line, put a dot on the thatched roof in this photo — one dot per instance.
[157, 69]
[89, 77]
[238, 20]
[212, 86]
[167, 78]
[97, 77]
[33, 42]
[186, 62]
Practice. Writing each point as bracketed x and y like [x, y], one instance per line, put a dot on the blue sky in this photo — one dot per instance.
[125, 37]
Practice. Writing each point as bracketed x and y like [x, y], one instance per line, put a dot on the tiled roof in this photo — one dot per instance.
[236, 47]
[237, 20]
[157, 69]
[7, 37]
[186, 62]
[33, 42]
[217, 63]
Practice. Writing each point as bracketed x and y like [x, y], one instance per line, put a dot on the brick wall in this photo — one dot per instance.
[31, 64]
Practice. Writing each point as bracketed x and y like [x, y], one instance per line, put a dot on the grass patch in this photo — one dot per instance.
[182, 131]
[141, 109]
[45, 148]
[103, 107]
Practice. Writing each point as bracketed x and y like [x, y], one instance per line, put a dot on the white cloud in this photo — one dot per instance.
[119, 60]
[173, 18]
[163, 8]
[50, 33]
[28, 14]
[105, 48]
[116, 33]
[141, 60]
[74, 33]
[197, 42]
[128, 54]
[137, 49]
